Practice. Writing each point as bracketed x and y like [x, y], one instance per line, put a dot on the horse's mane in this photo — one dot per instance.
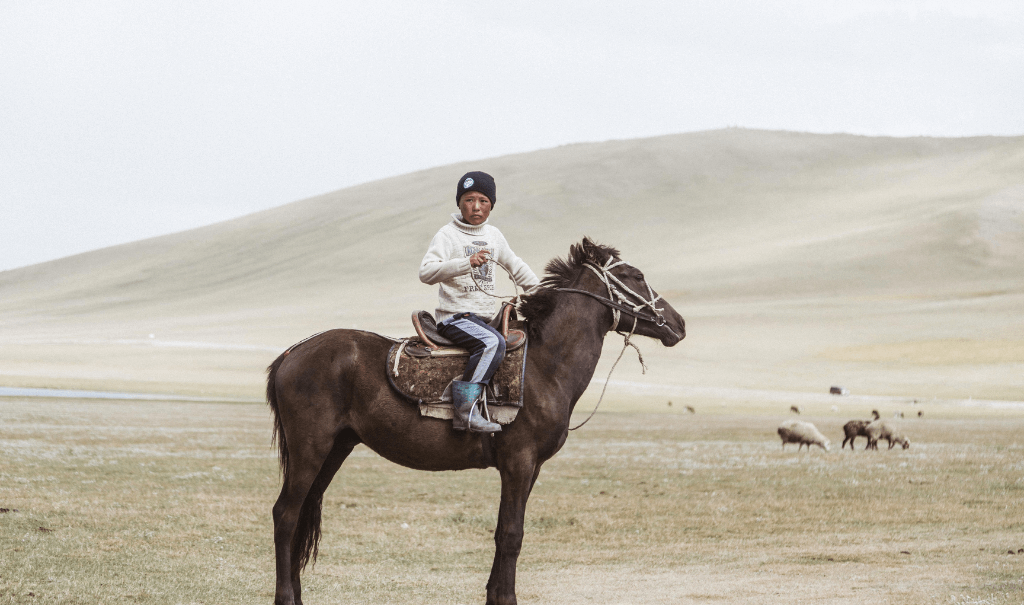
[538, 305]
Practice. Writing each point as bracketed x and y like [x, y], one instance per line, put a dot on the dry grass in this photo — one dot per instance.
[170, 503]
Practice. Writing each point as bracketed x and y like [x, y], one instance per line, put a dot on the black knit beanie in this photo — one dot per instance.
[477, 181]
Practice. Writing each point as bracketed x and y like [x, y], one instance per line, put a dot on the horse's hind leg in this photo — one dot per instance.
[297, 511]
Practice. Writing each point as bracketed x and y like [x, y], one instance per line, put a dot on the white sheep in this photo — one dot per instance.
[885, 429]
[803, 433]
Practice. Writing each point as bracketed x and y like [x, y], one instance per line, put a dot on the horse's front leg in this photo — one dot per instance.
[516, 483]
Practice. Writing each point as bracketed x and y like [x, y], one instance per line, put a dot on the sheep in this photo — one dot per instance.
[795, 409]
[875, 415]
[803, 433]
[884, 429]
[854, 429]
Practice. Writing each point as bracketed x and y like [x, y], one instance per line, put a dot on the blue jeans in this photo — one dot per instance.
[486, 345]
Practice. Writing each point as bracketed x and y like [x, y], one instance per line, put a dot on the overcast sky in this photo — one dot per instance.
[122, 120]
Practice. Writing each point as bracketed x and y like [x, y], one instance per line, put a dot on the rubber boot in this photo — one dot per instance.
[465, 396]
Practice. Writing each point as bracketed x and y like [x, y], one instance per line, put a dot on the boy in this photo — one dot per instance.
[461, 251]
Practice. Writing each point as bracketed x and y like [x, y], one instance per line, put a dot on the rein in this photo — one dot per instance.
[617, 301]
[643, 367]
[658, 320]
[622, 305]
[480, 288]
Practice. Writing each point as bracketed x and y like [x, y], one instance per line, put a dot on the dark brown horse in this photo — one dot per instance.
[330, 393]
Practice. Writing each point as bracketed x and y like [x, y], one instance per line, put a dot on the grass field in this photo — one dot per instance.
[121, 502]
[888, 266]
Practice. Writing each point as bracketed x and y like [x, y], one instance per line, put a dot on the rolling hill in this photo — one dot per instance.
[891, 265]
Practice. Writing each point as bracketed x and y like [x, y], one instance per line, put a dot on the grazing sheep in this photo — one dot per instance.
[854, 429]
[803, 433]
[884, 429]
[690, 409]
[875, 414]
[795, 409]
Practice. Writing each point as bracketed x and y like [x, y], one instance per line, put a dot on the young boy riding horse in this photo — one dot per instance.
[460, 260]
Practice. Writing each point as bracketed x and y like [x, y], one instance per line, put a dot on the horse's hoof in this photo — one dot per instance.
[508, 600]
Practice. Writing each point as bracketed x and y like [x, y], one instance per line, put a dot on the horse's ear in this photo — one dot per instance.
[595, 252]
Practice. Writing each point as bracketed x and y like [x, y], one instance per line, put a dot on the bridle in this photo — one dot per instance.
[620, 303]
[617, 300]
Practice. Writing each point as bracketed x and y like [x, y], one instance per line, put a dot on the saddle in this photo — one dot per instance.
[433, 344]
[421, 369]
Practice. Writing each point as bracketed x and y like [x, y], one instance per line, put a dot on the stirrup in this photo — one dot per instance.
[483, 424]
[465, 397]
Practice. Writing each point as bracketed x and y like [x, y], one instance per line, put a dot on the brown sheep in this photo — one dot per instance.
[854, 429]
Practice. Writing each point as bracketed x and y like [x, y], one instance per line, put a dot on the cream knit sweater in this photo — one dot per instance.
[447, 263]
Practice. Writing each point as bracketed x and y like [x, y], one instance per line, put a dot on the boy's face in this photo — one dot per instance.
[475, 207]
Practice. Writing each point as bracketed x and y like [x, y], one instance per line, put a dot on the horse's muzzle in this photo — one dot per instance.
[676, 333]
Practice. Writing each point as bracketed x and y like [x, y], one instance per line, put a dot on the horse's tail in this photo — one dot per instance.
[307, 529]
[278, 435]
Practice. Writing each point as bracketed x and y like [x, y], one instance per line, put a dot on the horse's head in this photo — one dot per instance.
[667, 325]
[640, 309]
[630, 303]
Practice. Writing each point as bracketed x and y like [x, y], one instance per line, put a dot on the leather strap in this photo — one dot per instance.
[659, 321]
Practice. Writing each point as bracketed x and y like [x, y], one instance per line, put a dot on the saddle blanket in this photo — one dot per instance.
[427, 382]
[502, 414]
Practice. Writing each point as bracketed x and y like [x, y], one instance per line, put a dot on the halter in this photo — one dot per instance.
[617, 301]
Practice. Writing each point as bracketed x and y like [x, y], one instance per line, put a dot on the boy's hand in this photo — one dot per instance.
[479, 258]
